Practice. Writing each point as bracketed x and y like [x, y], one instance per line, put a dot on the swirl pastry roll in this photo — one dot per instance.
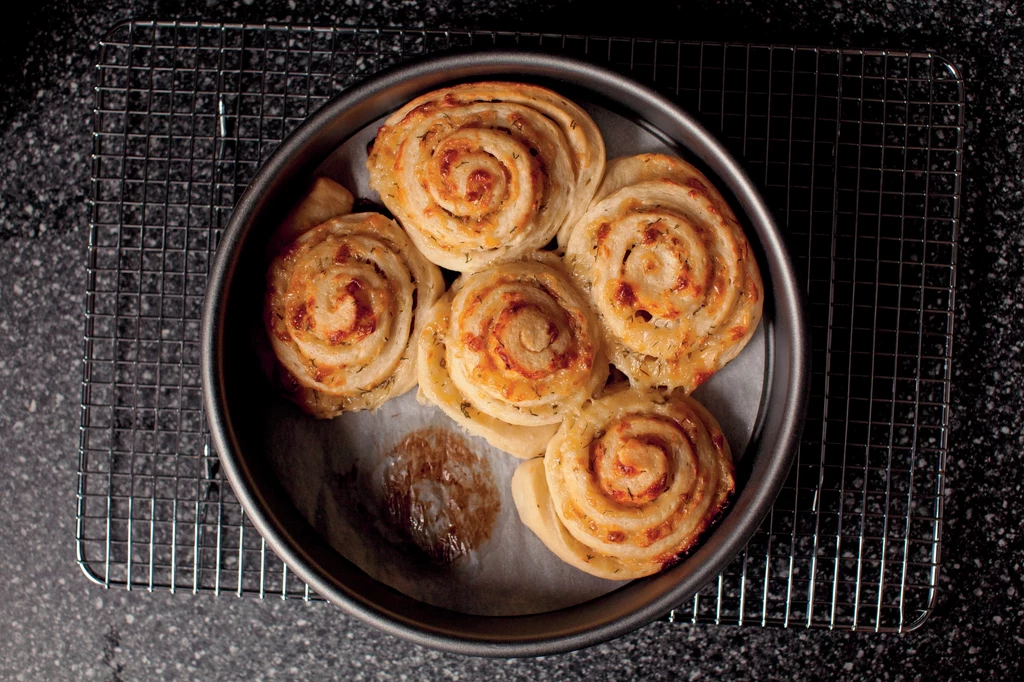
[628, 484]
[483, 172]
[672, 275]
[344, 303]
[509, 350]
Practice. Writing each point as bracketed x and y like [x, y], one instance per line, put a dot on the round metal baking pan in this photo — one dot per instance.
[232, 381]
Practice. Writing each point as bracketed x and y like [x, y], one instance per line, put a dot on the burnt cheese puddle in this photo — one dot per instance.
[439, 495]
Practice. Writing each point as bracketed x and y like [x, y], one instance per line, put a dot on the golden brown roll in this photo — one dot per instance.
[628, 484]
[344, 303]
[484, 172]
[325, 199]
[509, 350]
[672, 275]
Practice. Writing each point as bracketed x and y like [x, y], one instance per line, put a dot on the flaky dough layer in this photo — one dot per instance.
[484, 172]
[344, 304]
[510, 350]
[672, 276]
[628, 484]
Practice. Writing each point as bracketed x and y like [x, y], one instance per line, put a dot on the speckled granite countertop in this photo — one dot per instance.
[57, 625]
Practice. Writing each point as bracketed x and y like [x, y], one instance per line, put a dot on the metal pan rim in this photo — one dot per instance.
[623, 610]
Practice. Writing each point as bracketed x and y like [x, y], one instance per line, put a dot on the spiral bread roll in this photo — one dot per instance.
[509, 350]
[628, 484]
[344, 304]
[672, 275]
[484, 172]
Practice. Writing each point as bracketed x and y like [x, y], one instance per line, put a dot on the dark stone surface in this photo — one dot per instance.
[56, 625]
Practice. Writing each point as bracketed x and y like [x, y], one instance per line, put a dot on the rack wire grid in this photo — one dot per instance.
[858, 153]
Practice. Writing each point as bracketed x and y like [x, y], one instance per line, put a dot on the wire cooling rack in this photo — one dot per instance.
[858, 152]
